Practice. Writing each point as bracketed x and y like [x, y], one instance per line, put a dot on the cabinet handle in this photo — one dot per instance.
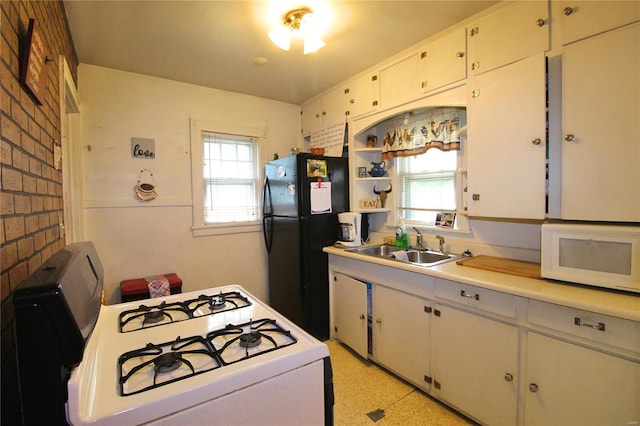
[567, 11]
[470, 296]
[569, 137]
[599, 326]
[475, 65]
[474, 31]
[351, 101]
[540, 22]
[424, 84]
[460, 55]
[475, 93]
[533, 387]
[536, 141]
[508, 377]
[361, 316]
[378, 321]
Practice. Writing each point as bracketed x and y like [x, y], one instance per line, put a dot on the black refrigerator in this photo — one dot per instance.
[298, 221]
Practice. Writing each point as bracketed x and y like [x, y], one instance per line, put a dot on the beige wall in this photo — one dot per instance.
[137, 239]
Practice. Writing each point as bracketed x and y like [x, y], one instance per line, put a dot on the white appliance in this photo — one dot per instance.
[217, 357]
[350, 229]
[598, 255]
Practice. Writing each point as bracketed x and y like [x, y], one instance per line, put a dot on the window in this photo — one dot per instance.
[230, 178]
[428, 186]
[225, 176]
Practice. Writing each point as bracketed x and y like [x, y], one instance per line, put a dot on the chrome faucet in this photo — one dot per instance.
[419, 243]
[441, 243]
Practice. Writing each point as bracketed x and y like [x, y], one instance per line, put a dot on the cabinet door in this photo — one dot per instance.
[506, 141]
[515, 32]
[581, 19]
[400, 82]
[568, 384]
[349, 302]
[475, 365]
[311, 115]
[333, 106]
[443, 61]
[400, 325]
[600, 109]
[362, 95]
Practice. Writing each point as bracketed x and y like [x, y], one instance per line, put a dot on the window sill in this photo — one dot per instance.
[229, 228]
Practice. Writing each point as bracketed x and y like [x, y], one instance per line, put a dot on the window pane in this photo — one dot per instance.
[230, 173]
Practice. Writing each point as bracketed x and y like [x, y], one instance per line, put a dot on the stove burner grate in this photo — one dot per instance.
[250, 339]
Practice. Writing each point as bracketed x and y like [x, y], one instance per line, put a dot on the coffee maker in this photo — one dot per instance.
[350, 229]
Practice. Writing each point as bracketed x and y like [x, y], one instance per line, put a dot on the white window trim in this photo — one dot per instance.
[199, 227]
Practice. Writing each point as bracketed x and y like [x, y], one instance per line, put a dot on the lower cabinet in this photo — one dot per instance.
[400, 325]
[570, 384]
[349, 306]
[475, 364]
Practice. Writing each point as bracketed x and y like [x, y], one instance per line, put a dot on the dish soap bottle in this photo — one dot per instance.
[401, 234]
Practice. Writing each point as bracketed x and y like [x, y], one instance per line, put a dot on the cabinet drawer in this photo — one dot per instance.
[617, 332]
[480, 298]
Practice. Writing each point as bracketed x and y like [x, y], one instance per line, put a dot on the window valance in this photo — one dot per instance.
[411, 135]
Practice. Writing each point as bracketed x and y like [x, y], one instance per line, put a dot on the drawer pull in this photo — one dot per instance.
[508, 377]
[470, 296]
[361, 316]
[600, 326]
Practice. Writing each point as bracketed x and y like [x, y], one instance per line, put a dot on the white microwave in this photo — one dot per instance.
[598, 255]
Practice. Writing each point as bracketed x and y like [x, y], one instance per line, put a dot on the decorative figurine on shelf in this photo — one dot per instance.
[382, 195]
[378, 169]
[372, 141]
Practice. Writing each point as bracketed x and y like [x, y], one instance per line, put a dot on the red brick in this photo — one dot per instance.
[18, 274]
[31, 223]
[35, 262]
[7, 205]
[37, 204]
[35, 166]
[29, 183]
[5, 152]
[41, 186]
[10, 130]
[19, 160]
[25, 248]
[11, 179]
[48, 203]
[14, 227]
[20, 116]
[22, 204]
[43, 220]
[28, 144]
[8, 255]
[39, 240]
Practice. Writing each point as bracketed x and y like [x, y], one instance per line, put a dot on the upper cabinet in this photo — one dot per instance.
[326, 109]
[443, 61]
[600, 131]
[362, 95]
[506, 141]
[400, 82]
[581, 19]
[515, 32]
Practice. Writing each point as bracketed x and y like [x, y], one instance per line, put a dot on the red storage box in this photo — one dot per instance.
[138, 288]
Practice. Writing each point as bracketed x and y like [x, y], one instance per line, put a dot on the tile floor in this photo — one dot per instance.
[361, 387]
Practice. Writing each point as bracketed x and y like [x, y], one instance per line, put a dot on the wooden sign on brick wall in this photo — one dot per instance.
[33, 72]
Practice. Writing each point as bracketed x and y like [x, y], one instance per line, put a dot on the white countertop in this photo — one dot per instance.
[609, 302]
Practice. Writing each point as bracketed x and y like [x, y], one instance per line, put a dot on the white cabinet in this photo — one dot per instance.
[324, 110]
[506, 141]
[581, 19]
[512, 33]
[400, 82]
[349, 304]
[400, 325]
[443, 61]
[601, 130]
[572, 385]
[475, 358]
[362, 95]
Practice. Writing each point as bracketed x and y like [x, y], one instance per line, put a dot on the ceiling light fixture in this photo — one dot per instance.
[301, 22]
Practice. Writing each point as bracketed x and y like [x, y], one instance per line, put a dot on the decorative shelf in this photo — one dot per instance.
[371, 178]
[373, 210]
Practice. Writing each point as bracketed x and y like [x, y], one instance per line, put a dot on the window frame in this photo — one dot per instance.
[199, 226]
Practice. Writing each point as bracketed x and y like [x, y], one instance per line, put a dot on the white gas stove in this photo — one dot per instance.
[216, 357]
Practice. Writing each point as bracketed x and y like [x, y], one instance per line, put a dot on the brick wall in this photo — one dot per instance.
[31, 189]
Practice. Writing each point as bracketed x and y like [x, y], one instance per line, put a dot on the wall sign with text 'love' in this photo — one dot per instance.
[143, 148]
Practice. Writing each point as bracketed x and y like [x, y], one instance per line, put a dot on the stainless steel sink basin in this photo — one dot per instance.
[413, 256]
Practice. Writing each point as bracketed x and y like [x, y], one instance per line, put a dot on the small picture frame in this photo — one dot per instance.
[445, 220]
[362, 172]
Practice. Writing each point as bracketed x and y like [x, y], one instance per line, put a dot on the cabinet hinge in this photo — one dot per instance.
[374, 103]
[474, 31]
[436, 384]
[374, 78]
[475, 65]
[427, 309]
[428, 379]
[437, 312]
[346, 91]
[423, 55]
[347, 112]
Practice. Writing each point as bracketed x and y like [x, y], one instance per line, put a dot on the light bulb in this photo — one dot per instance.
[281, 37]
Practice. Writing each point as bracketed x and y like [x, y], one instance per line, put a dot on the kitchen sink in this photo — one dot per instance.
[413, 256]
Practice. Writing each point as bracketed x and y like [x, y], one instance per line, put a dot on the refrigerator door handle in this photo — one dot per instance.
[267, 204]
[267, 231]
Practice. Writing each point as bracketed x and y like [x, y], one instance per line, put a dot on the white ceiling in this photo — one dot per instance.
[214, 43]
